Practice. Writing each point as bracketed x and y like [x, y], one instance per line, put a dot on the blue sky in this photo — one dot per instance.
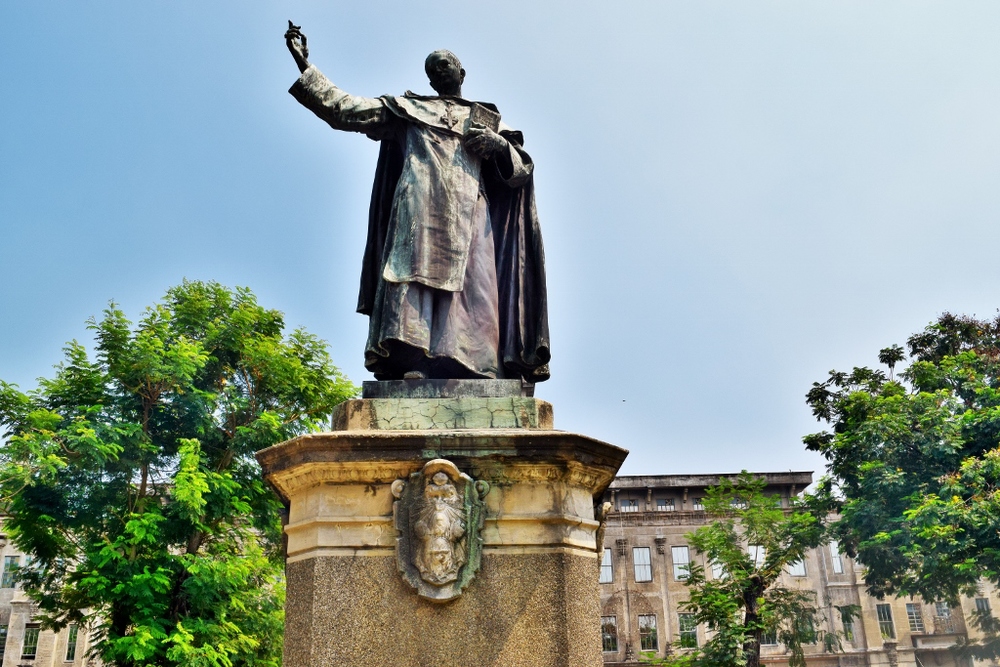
[735, 197]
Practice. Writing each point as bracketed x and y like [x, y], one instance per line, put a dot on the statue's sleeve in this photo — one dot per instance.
[519, 170]
[340, 110]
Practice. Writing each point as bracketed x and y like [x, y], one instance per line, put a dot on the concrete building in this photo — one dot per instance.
[22, 642]
[642, 584]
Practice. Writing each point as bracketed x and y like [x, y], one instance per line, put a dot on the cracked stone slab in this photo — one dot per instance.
[446, 389]
[408, 414]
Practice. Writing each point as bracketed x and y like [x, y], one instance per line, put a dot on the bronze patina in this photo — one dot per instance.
[453, 276]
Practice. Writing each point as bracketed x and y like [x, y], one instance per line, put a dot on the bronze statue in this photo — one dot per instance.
[453, 278]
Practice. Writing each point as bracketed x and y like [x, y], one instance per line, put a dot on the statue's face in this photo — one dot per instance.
[446, 74]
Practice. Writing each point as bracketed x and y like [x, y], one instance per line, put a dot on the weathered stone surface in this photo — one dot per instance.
[530, 609]
[535, 599]
[502, 457]
[438, 516]
[408, 414]
[543, 485]
[445, 389]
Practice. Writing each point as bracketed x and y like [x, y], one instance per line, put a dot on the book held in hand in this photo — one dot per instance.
[482, 116]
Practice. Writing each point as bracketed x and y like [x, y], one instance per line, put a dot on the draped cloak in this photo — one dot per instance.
[426, 252]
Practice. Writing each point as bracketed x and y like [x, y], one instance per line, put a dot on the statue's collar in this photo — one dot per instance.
[446, 113]
[449, 98]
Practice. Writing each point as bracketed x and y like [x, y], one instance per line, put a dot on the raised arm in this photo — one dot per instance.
[340, 110]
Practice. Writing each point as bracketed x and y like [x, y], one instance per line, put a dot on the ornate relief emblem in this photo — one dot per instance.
[439, 513]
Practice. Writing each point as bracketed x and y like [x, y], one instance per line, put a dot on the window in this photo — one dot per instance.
[769, 638]
[647, 633]
[640, 560]
[848, 628]
[10, 564]
[688, 629]
[718, 570]
[3, 641]
[983, 605]
[915, 617]
[697, 504]
[30, 646]
[665, 504]
[942, 610]
[738, 504]
[628, 505]
[681, 562]
[884, 614]
[838, 562]
[806, 628]
[607, 573]
[798, 568]
[28, 566]
[757, 554]
[609, 633]
[74, 631]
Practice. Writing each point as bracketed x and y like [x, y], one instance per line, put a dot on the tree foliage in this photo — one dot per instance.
[915, 460]
[750, 542]
[129, 477]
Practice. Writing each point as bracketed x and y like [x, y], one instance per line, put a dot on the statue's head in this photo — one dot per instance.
[445, 72]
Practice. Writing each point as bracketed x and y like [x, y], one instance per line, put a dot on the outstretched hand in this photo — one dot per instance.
[296, 43]
[484, 142]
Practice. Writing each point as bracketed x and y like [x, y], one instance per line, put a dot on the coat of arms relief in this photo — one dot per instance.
[439, 514]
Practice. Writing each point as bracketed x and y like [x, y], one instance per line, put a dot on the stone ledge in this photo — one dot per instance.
[429, 414]
[498, 455]
[539, 530]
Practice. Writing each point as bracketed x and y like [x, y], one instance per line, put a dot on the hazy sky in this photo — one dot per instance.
[736, 197]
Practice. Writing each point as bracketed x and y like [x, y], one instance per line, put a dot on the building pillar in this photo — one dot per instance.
[20, 616]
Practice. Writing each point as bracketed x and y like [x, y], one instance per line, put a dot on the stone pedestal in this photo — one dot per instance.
[534, 600]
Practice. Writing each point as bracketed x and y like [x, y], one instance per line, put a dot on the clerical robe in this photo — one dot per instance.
[430, 280]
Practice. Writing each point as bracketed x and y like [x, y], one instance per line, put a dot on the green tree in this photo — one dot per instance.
[751, 540]
[890, 356]
[915, 462]
[129, 478]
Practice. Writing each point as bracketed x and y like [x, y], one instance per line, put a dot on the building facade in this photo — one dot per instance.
[643, 583]
[23, 643]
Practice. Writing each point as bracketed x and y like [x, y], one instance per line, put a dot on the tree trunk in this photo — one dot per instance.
[751, 618]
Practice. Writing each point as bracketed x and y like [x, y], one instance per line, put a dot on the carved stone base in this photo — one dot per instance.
[534, 600]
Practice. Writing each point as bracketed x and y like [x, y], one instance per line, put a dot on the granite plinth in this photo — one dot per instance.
[529, 609]
[446, 389]
[408, 414]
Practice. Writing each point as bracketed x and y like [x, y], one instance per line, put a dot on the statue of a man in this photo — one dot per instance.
[453, 278]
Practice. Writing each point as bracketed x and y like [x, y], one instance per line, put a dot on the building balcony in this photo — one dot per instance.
[943, 633]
